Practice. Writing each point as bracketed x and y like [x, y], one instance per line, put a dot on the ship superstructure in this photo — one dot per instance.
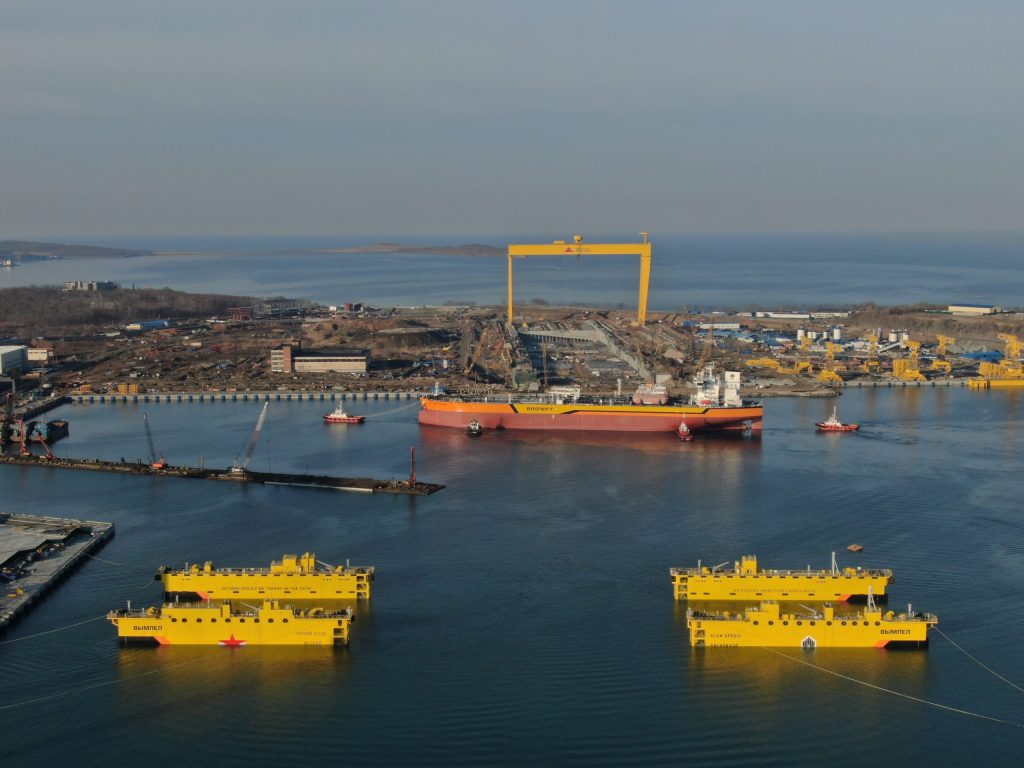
[292, 577]
[746, 581]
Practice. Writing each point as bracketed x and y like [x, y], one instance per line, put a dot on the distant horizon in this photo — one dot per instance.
[500, 239]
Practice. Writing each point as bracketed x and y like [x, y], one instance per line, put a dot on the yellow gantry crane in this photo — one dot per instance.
[578, 248]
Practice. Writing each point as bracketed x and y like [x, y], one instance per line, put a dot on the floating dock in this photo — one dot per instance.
[363, 484]
[36, 553]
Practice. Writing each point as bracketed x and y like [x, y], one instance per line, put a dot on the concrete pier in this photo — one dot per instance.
[37, 553]
[238, 397]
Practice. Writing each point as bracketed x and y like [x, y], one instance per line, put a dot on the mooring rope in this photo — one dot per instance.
[978, 662]
[393, 410]
[935, 704]
[108, 683]
[51, 631]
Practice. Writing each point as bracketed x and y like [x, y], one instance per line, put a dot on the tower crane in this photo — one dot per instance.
[239, 467]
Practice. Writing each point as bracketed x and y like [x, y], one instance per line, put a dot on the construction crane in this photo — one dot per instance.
[579, 248]
[154, 462]
[871, 365]
[908, 369]
[23, 438]
[239, 467]
[828, 375]
[46, 447]
[1011, 358]
[940, 364]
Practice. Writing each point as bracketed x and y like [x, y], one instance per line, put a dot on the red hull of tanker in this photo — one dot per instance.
[580, 418]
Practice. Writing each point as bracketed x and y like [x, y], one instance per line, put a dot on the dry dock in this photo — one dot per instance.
[365, 484]
[36, 553]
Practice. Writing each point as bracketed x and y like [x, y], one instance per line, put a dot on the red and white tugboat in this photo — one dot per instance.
[833, 424]
[338, 416]
[684, 432]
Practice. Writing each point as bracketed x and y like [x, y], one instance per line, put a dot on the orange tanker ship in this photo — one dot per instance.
[716, 406]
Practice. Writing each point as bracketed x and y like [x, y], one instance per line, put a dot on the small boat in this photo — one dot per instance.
[684, 432]
[338, 416]
[855, 548]
[474, 429]
[833, 424]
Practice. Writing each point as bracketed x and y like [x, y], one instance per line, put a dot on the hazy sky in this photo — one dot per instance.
[474, 117]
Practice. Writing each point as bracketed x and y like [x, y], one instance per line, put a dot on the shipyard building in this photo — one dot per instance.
[13, 358]
[286, 358]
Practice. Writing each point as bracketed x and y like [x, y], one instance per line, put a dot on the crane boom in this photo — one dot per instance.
[253, 439]
[154, 462]
[149, 439]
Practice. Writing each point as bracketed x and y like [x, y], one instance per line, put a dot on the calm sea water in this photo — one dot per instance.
[523, 615]
[688, 272]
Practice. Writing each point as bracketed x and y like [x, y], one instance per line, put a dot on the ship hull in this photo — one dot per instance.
[207, 624]
[839, 632]
[580, 417]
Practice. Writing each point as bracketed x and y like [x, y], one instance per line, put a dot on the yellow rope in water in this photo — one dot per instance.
[895, 693]
[50, 631]
[976, 661]
[80, 689]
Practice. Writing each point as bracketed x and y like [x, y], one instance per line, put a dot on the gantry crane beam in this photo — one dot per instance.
[578, 248]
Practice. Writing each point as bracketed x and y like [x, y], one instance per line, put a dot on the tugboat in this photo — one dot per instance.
[833, 424]
[338, 416]
[684, 432]
[474, 429]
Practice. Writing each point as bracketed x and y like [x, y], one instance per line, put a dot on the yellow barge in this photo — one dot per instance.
[746, 581]
[296, 578]
[215, 624]
[766, 626]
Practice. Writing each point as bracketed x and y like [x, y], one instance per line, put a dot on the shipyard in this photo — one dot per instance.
[511, 384]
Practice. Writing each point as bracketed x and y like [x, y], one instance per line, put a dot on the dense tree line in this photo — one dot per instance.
[49, 307]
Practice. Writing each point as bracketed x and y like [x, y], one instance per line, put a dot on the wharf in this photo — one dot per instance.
[36, 553]
[360, 484]
[239, 397]
[896, 383]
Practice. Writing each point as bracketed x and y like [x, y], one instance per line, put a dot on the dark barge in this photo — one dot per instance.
[364, 484]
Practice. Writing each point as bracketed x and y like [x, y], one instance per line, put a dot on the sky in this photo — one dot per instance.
[468, 117]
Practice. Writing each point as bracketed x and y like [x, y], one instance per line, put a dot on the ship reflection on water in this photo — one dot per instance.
[717, 443]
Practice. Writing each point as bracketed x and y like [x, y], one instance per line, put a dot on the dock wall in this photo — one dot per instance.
[49, 572]
[238, 397]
